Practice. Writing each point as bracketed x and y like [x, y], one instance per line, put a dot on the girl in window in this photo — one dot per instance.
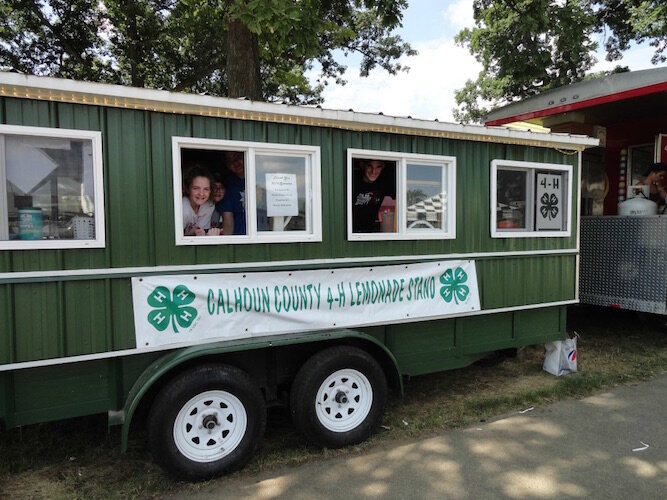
[197, 205]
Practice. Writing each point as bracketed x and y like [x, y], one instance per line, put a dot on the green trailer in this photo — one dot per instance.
[110, 304]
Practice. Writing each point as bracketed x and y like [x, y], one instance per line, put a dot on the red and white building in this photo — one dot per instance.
[623, 259]
[626, 111]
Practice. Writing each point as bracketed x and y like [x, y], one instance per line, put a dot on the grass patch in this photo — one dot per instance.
[79, 458]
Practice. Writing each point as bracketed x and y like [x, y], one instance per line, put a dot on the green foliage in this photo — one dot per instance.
[294, 35]
[59, 40]
[528, 46]
[182, 45]
[649, 22]
[634, 20]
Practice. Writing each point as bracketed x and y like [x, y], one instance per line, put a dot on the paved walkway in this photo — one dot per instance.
[591, 448]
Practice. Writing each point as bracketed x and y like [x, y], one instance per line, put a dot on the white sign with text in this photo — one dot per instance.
[191, 308]
[281, 195]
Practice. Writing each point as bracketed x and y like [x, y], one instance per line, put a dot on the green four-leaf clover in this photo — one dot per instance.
[452, 285]
[168, 308]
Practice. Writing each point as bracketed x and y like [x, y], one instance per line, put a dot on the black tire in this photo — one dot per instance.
[327, 391]
[219, 404]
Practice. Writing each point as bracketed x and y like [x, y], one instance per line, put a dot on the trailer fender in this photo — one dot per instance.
[166, 364]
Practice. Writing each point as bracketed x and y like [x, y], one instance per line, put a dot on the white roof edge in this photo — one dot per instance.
[63, 90]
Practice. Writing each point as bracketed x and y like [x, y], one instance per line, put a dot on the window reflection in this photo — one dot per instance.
[281, 193]
[49, 188]
[426, 197]
[511, 199]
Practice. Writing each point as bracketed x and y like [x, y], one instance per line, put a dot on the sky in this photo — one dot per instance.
[427, 90]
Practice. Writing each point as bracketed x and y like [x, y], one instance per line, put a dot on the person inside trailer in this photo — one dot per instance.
[369, 188]
[197, 205]
[232, 206]
[218, 191]
[655, 180]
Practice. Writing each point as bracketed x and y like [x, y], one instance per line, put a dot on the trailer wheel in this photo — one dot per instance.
[338, 397]
[206, 422]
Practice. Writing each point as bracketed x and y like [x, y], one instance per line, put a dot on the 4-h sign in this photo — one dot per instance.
[453, 285]
[549, 206]
[549, 196]
[171, 308]
[189, 309]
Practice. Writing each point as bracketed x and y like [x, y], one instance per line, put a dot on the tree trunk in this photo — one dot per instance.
[134, 52]
[243, 76]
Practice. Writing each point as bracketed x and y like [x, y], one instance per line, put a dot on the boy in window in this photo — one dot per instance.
[232, 206]
[369, 188]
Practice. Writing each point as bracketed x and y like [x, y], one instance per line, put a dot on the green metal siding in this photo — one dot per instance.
[56, 319]
[514, 281]
[42, 393]
[7, 328]
[139, 192]
[426, 347]
[423, 347]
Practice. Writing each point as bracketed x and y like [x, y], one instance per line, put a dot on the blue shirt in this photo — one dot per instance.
[234, 202]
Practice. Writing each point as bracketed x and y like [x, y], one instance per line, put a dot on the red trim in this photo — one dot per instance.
[595, 101]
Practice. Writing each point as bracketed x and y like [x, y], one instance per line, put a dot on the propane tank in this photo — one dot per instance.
[638, 206]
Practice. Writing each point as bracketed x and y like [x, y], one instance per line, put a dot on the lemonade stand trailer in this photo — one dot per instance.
[307, 313]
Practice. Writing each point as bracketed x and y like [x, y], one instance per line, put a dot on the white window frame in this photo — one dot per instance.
[250, 149]
[448, 165]
[98, 188]
[530, 168]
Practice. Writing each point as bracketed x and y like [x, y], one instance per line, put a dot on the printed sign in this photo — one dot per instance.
[549, 197]
[281, 195]
[185, 309]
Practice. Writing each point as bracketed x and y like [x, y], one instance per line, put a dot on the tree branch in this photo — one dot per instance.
[66, 44]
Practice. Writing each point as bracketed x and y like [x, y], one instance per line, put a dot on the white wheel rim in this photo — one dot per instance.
[210, 426]
[344, 400]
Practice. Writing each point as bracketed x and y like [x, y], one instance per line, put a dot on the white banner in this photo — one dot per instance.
[187, 308]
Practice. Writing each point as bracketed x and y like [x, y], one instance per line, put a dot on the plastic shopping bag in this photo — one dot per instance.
[561, 357]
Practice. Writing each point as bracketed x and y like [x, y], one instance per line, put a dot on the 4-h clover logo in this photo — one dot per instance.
[452, 285]
[549, 206]
[168, 308]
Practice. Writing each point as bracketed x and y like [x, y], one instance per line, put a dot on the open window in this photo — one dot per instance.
[51, 193]
[530, 199]
[242, 192]
[394, 196]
